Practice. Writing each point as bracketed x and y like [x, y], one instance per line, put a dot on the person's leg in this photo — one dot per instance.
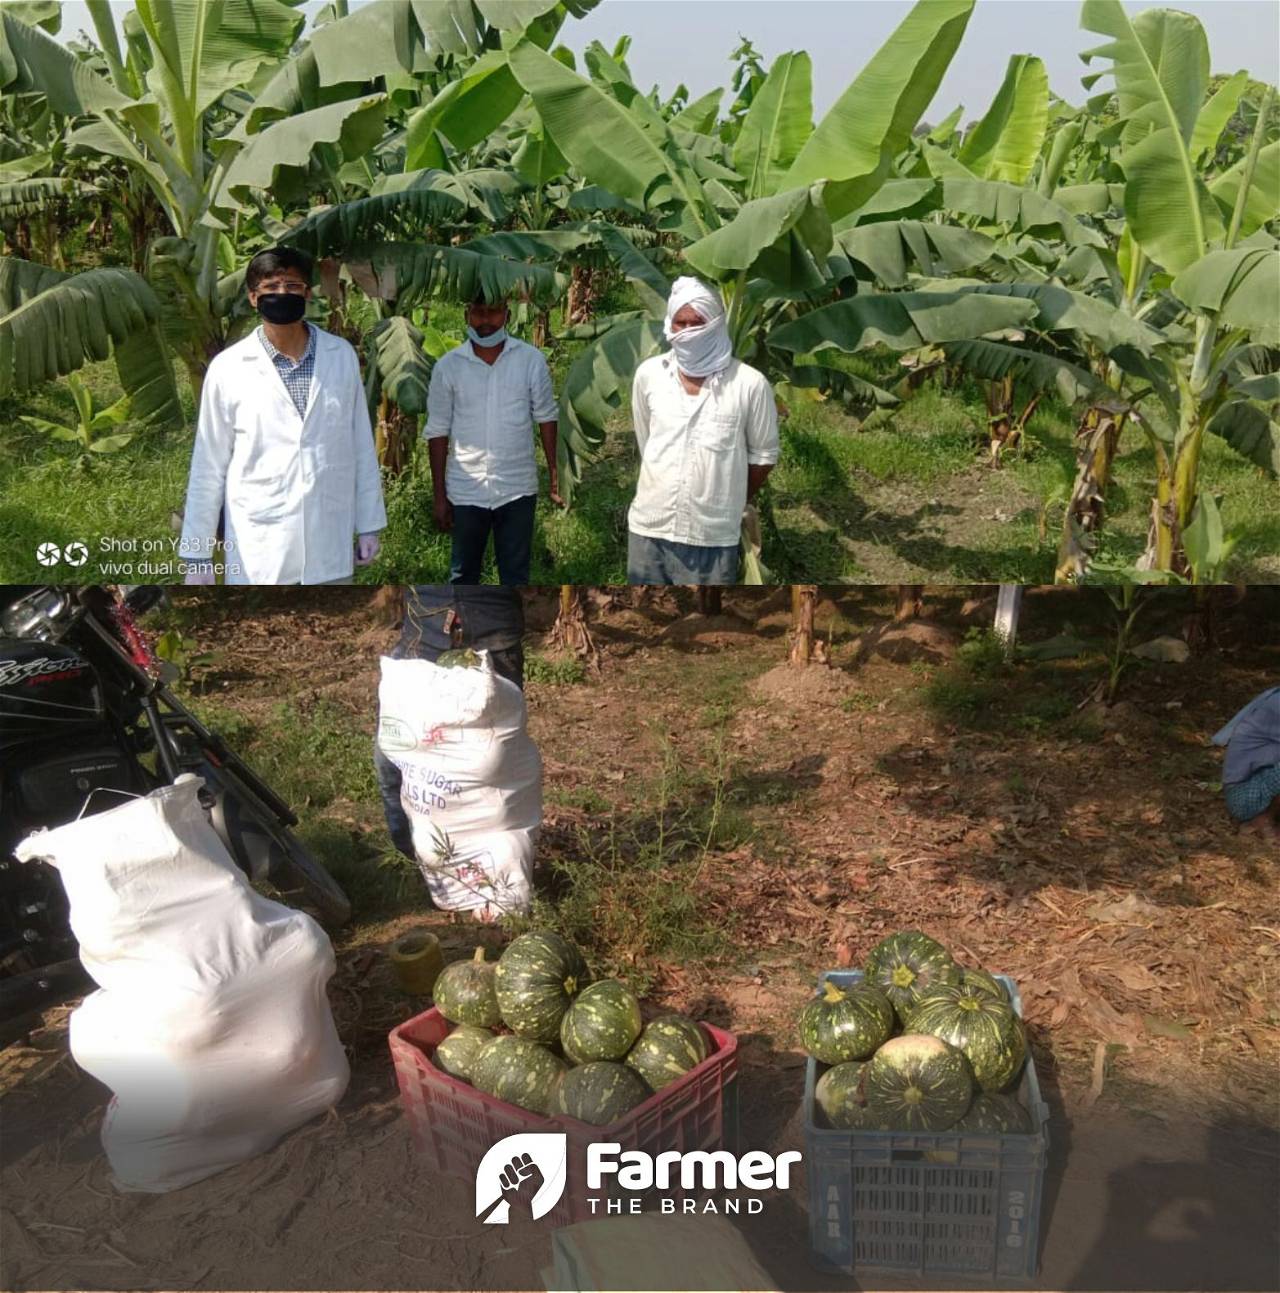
[721, 565]
[471, 527]
[389, 786]
[646, 560]
[513, 539]
[508, 663]
[1254, 802]
[694, 563]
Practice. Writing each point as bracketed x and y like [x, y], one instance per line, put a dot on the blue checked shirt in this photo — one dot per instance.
[296, 376]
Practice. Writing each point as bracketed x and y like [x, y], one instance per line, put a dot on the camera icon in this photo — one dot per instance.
[75, 554]
[48, 554]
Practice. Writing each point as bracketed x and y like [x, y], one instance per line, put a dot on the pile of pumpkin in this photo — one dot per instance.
[919, 1043]
[574, 1048]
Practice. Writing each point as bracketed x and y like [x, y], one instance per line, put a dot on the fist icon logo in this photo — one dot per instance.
[48, 554]
[75, 554]
[523, 1175]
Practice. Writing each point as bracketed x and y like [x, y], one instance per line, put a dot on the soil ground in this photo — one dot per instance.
[918, 783]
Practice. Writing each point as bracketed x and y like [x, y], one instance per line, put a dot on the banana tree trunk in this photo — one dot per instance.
[1096, 439]
[571, 632]
[909, 602]
[1178, 479]
[1004, 427]
[1164, 537]
[804, 601]
[393, 437]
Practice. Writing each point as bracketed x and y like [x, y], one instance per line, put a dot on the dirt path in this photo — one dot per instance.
[1144, 934]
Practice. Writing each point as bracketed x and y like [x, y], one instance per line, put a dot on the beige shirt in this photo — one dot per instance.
[695, 450]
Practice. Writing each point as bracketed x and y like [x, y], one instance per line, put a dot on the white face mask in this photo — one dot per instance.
[493, 339]
[702, 350]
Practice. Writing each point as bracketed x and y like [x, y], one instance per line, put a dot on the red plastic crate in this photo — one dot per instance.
[454, 1125]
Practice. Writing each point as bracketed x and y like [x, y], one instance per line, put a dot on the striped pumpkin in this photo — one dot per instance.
[846, 1023]
[668, 1048]
[906, 965]
[536, 978]
[984, 1028]
[602, 1023]
[918, 1083]
[600, 1092]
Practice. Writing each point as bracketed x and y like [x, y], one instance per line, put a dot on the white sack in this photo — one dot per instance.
[211, 1025]
[490, 874]
[471, 779]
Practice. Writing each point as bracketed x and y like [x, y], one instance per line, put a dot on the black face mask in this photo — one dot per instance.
[281, 307]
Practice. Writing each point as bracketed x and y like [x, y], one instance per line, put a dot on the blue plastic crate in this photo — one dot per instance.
[941, 1203]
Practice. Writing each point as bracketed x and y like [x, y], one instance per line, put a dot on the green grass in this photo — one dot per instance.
[627, 892]
[45, 495]
[319, 758]
[912, 500]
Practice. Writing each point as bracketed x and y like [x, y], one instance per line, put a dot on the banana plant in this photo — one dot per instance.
[749, 204]
[209, 104]
[1189, 256]
[1210, 238]
[91, 421]
[51, 323]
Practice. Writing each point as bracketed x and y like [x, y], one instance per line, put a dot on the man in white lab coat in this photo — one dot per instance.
[484, 399]
[707, 428]
[284, 449]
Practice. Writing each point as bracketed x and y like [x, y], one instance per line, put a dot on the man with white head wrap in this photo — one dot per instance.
[707, 427]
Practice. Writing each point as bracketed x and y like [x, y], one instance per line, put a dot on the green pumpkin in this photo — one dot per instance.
[995, 1114]
[918, 1083]
[981, 981]
[839, 1095]
[458, 658]
[845, 1023]
[537, 977]
[986, 1030]
[906, 965]
[668, 1048]
[599, 1092]
[464, 992]
[602, 1023]
[517, 1071]
[456, 1055]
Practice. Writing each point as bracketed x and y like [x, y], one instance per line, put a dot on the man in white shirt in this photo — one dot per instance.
[707, 427]
[484, 396]
[284, 449]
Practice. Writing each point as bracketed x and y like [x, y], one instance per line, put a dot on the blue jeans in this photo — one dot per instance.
[663, 561]
[512, 526]
[508, 662]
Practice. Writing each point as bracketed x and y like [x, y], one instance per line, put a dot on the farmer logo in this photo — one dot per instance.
[526, 1171]
[529, 1172]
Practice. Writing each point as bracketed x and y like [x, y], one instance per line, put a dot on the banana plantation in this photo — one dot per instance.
[1088, 297]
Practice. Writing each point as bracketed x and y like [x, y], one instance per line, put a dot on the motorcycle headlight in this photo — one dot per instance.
[43, 615]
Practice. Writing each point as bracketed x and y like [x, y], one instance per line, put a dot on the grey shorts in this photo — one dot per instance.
[663, 561]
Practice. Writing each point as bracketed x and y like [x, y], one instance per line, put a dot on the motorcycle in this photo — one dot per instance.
[87, 716]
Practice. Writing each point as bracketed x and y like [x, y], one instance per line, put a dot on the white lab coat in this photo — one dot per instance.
[296, 489]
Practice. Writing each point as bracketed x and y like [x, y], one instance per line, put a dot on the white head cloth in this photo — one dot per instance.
[705, 349]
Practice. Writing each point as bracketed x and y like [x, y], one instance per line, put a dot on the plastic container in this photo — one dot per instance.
[939, 1203]
[453, 1125]
[418, 961]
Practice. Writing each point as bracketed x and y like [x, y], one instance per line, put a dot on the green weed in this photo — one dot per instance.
[628, 893]
[554, 670]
